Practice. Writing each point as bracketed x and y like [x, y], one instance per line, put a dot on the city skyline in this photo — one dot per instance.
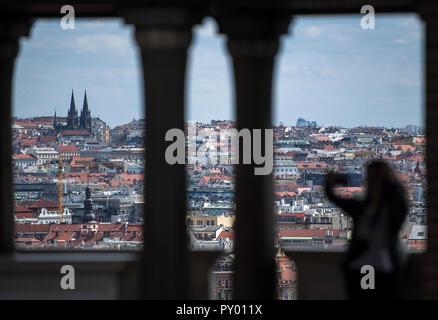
[281, 123]
[328, 70]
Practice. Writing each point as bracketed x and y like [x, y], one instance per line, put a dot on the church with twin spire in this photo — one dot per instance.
[83, 122]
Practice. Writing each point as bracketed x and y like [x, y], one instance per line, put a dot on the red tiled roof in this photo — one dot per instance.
[26, 124]
[207, 179]
[404, 147]
[33, 241]
[28, 142]
[135, 227]
[97, 237]
[312, 165]
[36, 228]
[119, 235]
[75, 133]
[126, 179]
[285, 268]
[226, 234]
[285, 194]
[348, 189]
[82, 177]
[80, 161]
[48, 139]
[21, 209]
[22, 215]
[67, 148]
[292, 214]
[44, 204]
[302, 189]
[23, 156]
[65, 227]
[112, 227]
[322, 138]
[79, 240]
[61, 237]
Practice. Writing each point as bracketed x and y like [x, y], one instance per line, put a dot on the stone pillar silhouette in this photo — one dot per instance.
[9, 35]
[253, 41]
[163, 36]
[429, 13]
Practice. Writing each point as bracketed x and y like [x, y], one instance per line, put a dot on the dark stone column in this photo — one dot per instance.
[9, 35]
[253, 41]
[163, 36]
[429, 13]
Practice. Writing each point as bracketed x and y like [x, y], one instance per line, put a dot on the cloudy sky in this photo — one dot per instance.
[328, 70]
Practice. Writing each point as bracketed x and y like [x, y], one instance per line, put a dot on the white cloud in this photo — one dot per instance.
[95, 42]
[410, 22]
[403, 81]
[331, 32]
[95, 23]
[401, 41]
[338, 37]
[313, 31]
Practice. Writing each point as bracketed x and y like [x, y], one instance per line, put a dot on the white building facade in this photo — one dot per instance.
[50, 217]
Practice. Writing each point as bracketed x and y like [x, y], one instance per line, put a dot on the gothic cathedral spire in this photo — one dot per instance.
[85, 120]
[72, 103]
[72, 120]
[85, 107]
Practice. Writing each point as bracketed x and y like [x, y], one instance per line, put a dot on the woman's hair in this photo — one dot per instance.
[381, 181]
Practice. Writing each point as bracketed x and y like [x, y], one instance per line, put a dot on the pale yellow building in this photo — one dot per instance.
[210, 220]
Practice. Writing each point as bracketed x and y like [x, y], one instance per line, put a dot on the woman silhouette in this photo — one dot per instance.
[377, 220]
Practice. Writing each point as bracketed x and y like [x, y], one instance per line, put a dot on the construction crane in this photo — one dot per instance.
[60, 188]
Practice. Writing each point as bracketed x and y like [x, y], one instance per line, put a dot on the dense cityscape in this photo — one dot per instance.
[79, 184]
